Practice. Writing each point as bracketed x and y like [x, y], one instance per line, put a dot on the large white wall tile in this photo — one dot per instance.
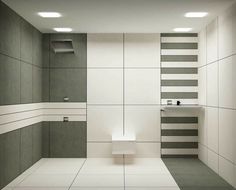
[148, 150]
[225, 26]
[212, 42]
[142, 86]
[202, 153]
[202, 85]
[202, 47]
[105, 86]
[143, 121]
[234, 36]
[212, 84]
[226, 170]
[213, 129]
[213, 161]
[202, 126]
[227, 87]
[103, 121]
[105, 50]
[142, 50]
[227, 120]
[99, 150]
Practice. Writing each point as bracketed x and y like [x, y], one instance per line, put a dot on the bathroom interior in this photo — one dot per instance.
[118, 95]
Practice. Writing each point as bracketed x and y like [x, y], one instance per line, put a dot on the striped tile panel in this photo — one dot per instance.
[13, 117]
[179, 81]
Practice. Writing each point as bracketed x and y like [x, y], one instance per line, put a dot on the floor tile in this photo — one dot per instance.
[151, 180]
[60, 166]
[97, 188]
[152, 188]
[41, 188]
[35, 180]
[103, 166]
[101, 180]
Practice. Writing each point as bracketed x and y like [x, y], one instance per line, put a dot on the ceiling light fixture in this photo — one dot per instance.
[196, 14]
[49, 14]
[62, 29]
[182, 29]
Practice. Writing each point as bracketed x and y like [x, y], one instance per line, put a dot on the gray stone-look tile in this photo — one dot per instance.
[37, 141]
[46, 50]
[11, 156]
[37, 48]
[71, 83]
[26, 83]
[68, 139]
[45, 139]
[9, 32]
[45, 85]
[78, 59]
[1, 161]
[26, 47]
[26, 148]
[9, 80]
[37, 84]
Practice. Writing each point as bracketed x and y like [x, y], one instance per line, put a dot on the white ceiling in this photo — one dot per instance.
[118, 16]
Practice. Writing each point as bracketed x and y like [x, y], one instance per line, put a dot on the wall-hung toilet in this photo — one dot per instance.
[123, 144]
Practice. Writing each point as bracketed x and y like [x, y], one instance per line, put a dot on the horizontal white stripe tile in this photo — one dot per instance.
[179, 139]
[19, 116]
[64, 111]
[180, 64]
[19, 108]
[60, 118]
[179, 126]
[179, 151]
[20, 124]
[179, 39]
[65, 105]
[13, 117]
[179, 76]
[179, 52]
[179, 89]
[183, 101]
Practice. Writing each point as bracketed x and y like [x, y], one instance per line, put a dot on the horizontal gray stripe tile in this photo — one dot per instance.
[179, 156]
[179, 145]
[170, 132]
[179, 46]
[179, 58]
[175, 70]
[179, 95]
[179, 120]
[179, 35]
[179, 82]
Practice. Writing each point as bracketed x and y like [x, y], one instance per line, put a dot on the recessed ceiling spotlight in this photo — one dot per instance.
[49, 14]
[196, 14]
[183, 29]
[62, 29]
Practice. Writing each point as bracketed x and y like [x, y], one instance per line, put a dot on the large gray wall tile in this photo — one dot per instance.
[26, 47]
[9, 80]
[68, 82]
[68, 139]
[1, 161]
[45, 85]
[11, 158]
[46, 50]
[45, 139]
[37, 141]
[37, 84]
[26, 148]
[37, 48]
[9, 31]
[78, 59]
[26, 83]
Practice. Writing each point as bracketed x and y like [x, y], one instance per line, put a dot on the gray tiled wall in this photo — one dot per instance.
[65, 75]
[19, 149]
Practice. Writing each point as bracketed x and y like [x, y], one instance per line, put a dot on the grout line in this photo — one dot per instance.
[123, 84]
[77, 174]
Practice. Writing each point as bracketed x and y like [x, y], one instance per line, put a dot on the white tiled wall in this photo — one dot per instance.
[123, 92]
[218, 120]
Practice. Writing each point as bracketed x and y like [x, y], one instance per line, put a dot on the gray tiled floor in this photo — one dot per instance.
[192, 174]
